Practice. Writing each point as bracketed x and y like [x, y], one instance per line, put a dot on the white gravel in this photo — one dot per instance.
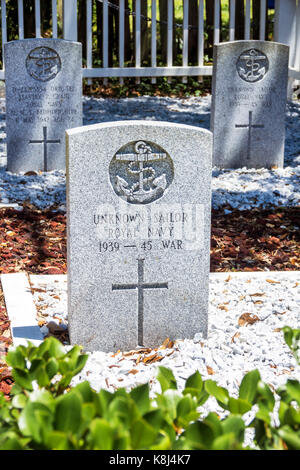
[240, 188]
[231, 349]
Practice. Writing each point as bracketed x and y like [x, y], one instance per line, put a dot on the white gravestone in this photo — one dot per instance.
[43, 98]
[138, 203]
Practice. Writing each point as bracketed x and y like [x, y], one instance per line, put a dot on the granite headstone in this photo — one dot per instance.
[138, 205]
[43, 98]
[249, 94]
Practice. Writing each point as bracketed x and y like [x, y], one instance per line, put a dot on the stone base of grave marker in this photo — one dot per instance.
[139, 202]
[248, 104]
[43, 99]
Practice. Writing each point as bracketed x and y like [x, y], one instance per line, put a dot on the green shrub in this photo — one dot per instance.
[46, 413]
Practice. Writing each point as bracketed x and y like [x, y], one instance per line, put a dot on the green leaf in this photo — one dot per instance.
[52, 367]
[142, 434]
[290, 437]
[51, 347]
[86, 392]
[57, 440]
[36, 421]
[68, 413]
[44, 397]
[154, 418]
[22, 378]
[166, 379]
[15, 358]
[168, 403]
[140, 396]
[234, 425]
[265, 396]
[248, 386]
[186, 411]
[225, 442]
[293, 389]
[101, 435]
[194, 385]
[11, 441]
[199, 435]
[220, 393]
[19, 401]
[238, 406]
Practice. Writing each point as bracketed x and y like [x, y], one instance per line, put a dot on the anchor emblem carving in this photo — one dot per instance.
[142, 176]
[252, 65]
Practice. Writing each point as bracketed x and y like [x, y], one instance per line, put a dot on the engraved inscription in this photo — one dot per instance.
[252, 65]
[43, 64]
[141, 172]
[140, 286]
[144, 228]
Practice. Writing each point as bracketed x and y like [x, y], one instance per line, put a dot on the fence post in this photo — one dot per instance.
[285, 31]
[70, 19]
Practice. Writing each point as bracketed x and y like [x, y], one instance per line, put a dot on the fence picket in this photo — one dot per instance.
[247, 20]
[54, 19]
[37, 9]
[105, 37]
[153, 37]
[3, 25]
[170, 36]
[21, 19]
[185, 49]
[137, 35]
[89, 36]
[217, 22]
[121, 35]
[262, 20]
[232, 21]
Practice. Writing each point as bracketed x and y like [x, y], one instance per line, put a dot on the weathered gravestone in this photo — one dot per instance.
[43, 99]
[139, 199]
[248, 104]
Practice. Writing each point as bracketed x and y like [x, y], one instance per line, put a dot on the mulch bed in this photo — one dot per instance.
[6, 380]
[34, 241]
[256, 240]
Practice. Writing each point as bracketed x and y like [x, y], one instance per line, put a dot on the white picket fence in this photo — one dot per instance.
[286, 30]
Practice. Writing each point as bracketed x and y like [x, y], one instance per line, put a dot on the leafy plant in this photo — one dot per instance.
[46, 413]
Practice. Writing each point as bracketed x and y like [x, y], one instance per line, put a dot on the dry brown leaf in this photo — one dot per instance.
[257, 294]
[223, 307]
[247, 319]
[277, 330]
[210, 370]
[236, 335]
[149, 358]
[228, 278]
[133, 371]
[271, 281]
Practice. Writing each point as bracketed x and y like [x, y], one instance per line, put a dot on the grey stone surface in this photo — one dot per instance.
[138, 204]
[43, 99]
[248, 104]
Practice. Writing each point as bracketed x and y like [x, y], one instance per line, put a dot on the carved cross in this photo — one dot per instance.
[140, 286]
